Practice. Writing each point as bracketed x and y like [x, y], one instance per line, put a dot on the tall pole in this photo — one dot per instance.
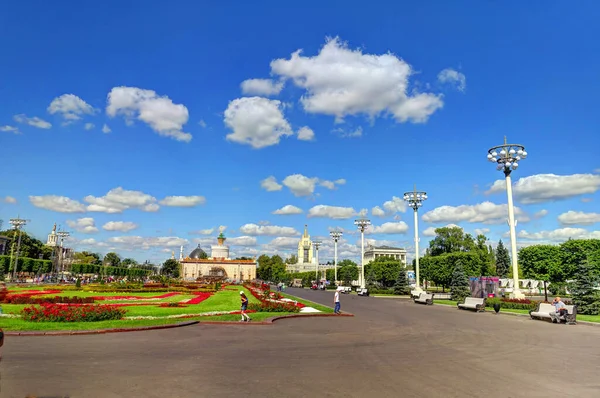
[507, 158]
[62, 235]
[17, 224]
[317, 243]
[362, 224]
[415, 200]
[336, 235]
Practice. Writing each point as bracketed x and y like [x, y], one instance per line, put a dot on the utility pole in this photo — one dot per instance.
[62, 235]
[17, 224]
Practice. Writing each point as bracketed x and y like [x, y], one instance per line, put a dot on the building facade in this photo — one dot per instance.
[307, 259]
[374, 252]
[198, 264]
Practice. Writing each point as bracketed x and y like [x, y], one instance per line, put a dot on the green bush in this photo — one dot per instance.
[72, 313]
[27, 265]
[512, 304]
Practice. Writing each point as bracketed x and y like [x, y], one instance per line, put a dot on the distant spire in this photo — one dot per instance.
[305, 231]
[54, 229]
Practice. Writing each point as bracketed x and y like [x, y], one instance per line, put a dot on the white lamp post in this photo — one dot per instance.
[507, 158]
[415, 200]
[317, 243]
[362, 224]
[17, 224]
[62, 235]
[335, 235]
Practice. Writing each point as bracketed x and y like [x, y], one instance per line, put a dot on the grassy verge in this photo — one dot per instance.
[13, 324]
[309, 303]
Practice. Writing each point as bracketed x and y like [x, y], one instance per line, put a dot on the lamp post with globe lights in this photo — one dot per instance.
[362, 224]
[317, 243]
[335, 235]
[415, 200]
[507, 158]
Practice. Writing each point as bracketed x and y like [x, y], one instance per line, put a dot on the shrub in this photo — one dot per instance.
[78, 283]
[72, 313]
[27, 299]
[459, 286]
[271, 306]
[512, 304]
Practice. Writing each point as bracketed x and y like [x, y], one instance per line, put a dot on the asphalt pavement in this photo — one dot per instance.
[390, 348]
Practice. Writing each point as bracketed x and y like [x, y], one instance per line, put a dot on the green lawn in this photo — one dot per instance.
[309, 303]
[12, 324]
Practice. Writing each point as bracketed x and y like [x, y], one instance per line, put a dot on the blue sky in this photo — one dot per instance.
[128, 123]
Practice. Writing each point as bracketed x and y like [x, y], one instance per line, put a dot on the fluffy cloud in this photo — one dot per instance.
[10, 129]
[559, 235]
[340, 82]
[540, 214]
[549, 187]
[183, 201]
[396, 205]
[306, 134]
[121, 226]
[270, 184]
[160, 113]
[332, 184]
[377, 211]
[139, 242]
[265, 87]
[203, 232]
[482, 231]
[399, 227]
[486, 212]
[267, 230]
[454, 77]
[60, 204]
[89, 126]
[242, 241]
[287, 210]
[119, 199]
[578, 218]
[32, 121]
[283, 242]
[431, 230]
[8, 199]
[84, 225]
[70, 107]
[256, 121]
[333, 212]
[106, 129]
[300, 185]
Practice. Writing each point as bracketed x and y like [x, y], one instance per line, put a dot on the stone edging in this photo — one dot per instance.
[99, 331]
[270, 321]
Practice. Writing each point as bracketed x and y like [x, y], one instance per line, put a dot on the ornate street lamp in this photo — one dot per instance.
[415, 200]
[507, 158]
[362, 224]
[317, 243]
[335, 235]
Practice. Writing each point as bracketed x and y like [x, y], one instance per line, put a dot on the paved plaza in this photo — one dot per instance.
[391, 348]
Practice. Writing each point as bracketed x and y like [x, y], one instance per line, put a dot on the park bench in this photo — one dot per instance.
[544, 310]
[415, 294]
[424, 298]
[472, 303]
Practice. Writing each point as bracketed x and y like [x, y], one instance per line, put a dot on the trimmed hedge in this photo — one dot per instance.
[26, 264]
[107, 270]
[512, 304]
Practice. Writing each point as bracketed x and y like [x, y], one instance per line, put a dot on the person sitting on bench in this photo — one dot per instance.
[560, 310]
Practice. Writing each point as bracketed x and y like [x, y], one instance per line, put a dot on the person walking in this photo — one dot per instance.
[245, 317]
[336, 301]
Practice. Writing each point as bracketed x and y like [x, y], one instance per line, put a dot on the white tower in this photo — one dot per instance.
[52, 238]
[181, 253]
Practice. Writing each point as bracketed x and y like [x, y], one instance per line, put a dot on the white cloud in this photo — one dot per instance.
[559, 235]
[202, 124]
[242, 241]
[267, 230]
[396, 205]
[9, 199]
[399, 227]
[288, 209]
[306, 134]
[486, 212]
[482, 231]
[332, 184]
[578, 218]
[270, 184]
[549, 187]
[540, 214]
[89, 126]
[106, 129]
[256, 121]
[431, 230]
[121, 226]
[119, 199]
[341, 82]
[10, 129]
[265, 87]
[454, 77]
[333, 212]
[300, 185]
[84, 225]
[380, 242]
[183, 201]
[283, 242]
[160, 113]
[377, 211]
[358, 132]
[89, 242]
[60, 204]
[70, 107]
[32, 121]
[203, 232]
[139, 242]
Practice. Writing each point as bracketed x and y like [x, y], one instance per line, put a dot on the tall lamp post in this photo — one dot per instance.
[362, 224]
[415, 200]
[17, 224]
[317, 243]
[335, 235]
[507, 158]
[62, 235]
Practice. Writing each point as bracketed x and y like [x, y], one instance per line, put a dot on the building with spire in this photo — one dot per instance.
[52, 238]
[307, 260]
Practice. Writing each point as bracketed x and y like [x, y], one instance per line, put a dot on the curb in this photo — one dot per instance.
[99, 331]
[270, 321]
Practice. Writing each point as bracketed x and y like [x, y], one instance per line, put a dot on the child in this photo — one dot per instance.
[245, 317]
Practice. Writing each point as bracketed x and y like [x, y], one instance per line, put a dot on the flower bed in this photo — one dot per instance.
[28, 299]
[271, 301]
[71, 313]
[33, 293]
[172, 304]
[513, 304]
[200, 297]
[274, 306]
[162, 296]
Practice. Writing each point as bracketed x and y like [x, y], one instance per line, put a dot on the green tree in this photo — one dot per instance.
[439, 269]
[585, 297]
[85, 257]
[264, 270]
[345, 262]
[112, 259]
[278, 271]
[485, 257]
[502, 260]
[348, 273]
[450, 240]
[30, 247]
[293, 259]
[385, 270]
[170, 268]
[574, 251]
[459, 287]
[401, 286]
[541, 262]
[129, 263]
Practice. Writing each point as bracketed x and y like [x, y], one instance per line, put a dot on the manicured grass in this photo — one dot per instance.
[309, 303]
[256, 317]
[15, 324]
